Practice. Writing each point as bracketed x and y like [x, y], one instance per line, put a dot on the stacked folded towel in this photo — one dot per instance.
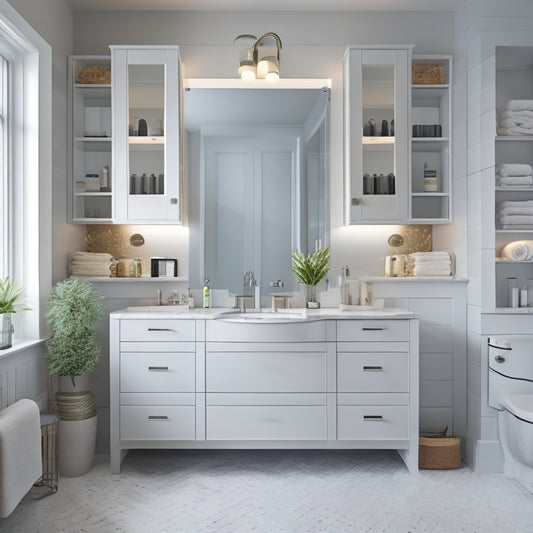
[515, 118]
[518, 251]
[514, 175]
[431, 263]
[515, 214]
[90, 264]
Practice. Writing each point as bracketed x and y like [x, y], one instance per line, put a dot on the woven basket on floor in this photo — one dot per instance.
[427, 75]
[439, 453]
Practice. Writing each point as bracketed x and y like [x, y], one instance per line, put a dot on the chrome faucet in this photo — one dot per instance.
[249, 279]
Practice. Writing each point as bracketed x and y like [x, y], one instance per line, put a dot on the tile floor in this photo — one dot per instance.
[273, 492]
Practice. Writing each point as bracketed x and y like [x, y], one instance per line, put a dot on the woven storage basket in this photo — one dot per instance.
[439, 453]
[94, 74]
[427, 75]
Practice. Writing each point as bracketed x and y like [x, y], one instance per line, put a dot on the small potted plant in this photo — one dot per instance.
[74, 310]
[10, 295]
[310, 270]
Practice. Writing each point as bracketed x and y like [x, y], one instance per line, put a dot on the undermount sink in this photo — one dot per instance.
[264, 316]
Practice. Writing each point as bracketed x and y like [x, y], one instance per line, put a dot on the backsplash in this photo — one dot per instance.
[131, 241]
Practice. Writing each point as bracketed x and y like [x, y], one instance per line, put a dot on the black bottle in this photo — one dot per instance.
[142, 131]
[384, 128]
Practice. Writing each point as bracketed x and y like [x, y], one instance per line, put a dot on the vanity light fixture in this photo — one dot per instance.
[259, 61]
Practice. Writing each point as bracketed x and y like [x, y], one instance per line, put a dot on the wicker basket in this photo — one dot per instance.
[427, 75]
[439, 453]
[94, 74]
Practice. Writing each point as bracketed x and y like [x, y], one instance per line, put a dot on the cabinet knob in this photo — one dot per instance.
[173, 201]
[499, 359]
[356, 201]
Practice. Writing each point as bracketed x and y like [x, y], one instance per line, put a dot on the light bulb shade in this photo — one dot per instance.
[247, 71]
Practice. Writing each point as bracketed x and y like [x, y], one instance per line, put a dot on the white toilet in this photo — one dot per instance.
[511, 392]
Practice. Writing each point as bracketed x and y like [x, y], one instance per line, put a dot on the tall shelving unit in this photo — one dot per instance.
[91, 142]
[431, 105]
[514, 81]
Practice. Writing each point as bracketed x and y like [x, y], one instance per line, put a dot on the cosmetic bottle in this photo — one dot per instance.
[207, 294]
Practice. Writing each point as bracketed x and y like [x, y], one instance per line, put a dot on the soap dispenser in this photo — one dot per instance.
[344, 287]
[207, 294]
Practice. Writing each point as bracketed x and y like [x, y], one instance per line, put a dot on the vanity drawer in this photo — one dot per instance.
[266, 422]
[149, 372]
[373, 422]
[223, 331]
[373, 372]
[372, 330]
[265, 372]
[157, 330]
[161, 422]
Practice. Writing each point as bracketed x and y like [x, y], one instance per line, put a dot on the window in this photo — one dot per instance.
[25, 165]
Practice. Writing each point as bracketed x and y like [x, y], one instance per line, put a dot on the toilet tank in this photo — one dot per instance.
[510, 367]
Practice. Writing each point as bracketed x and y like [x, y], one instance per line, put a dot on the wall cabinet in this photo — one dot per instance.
[147, 96]
[324, 383]
[377, 134]
[89, 193]
[396, 135]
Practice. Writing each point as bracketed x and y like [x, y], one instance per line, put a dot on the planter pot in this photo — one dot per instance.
[77, 441]
[6, 331]
[81, 383]
[311, 300]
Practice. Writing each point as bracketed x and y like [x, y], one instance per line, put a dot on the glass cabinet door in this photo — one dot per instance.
[377, 147]
[147, 144]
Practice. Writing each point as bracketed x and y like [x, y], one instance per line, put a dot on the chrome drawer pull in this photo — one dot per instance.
[372, 368]
[158, 369]
[157, 417]
[160, 329]
[373, 329]
[372, 418]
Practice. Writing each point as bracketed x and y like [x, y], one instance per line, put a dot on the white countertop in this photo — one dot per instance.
[263, 315]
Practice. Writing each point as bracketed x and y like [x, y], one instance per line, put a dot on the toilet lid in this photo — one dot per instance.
[521, 405]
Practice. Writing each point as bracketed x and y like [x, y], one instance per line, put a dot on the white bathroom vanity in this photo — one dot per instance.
[323, 379]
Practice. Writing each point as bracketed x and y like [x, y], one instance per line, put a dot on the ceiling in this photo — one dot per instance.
[261, 5]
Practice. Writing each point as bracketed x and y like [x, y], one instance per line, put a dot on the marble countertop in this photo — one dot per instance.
[262, 315]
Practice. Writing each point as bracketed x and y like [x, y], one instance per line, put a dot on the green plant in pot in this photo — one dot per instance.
[74, 310]
[10, 303]
[310, 270]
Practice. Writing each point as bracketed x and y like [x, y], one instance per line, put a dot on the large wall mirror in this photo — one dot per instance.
[257, 165]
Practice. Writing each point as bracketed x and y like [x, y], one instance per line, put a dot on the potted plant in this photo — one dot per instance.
[10, 295]
[74, 310]
[310, 270]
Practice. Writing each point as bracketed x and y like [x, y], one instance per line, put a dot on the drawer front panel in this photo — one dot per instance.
[163, 422]
[283, 422]
[265, 372]
[148, 372]
[374, 372]
[372, 330]
[373, 422]
[157, 330]
[219, 330]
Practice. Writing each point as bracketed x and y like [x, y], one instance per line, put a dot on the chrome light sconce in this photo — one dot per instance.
[259, 61]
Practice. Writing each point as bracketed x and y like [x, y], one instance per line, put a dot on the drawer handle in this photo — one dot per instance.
[158, 369]
[372, 418]
[157, 417]
[160, 329]
[368, 368]
[373, 329]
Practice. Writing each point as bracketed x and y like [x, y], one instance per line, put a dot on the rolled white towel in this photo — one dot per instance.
[518, 121]
[91, 256]
[430, 256]
[514, 181]
[517, 105]
[514, 169]
[434, 265]
[502, 114]
[518, 251]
